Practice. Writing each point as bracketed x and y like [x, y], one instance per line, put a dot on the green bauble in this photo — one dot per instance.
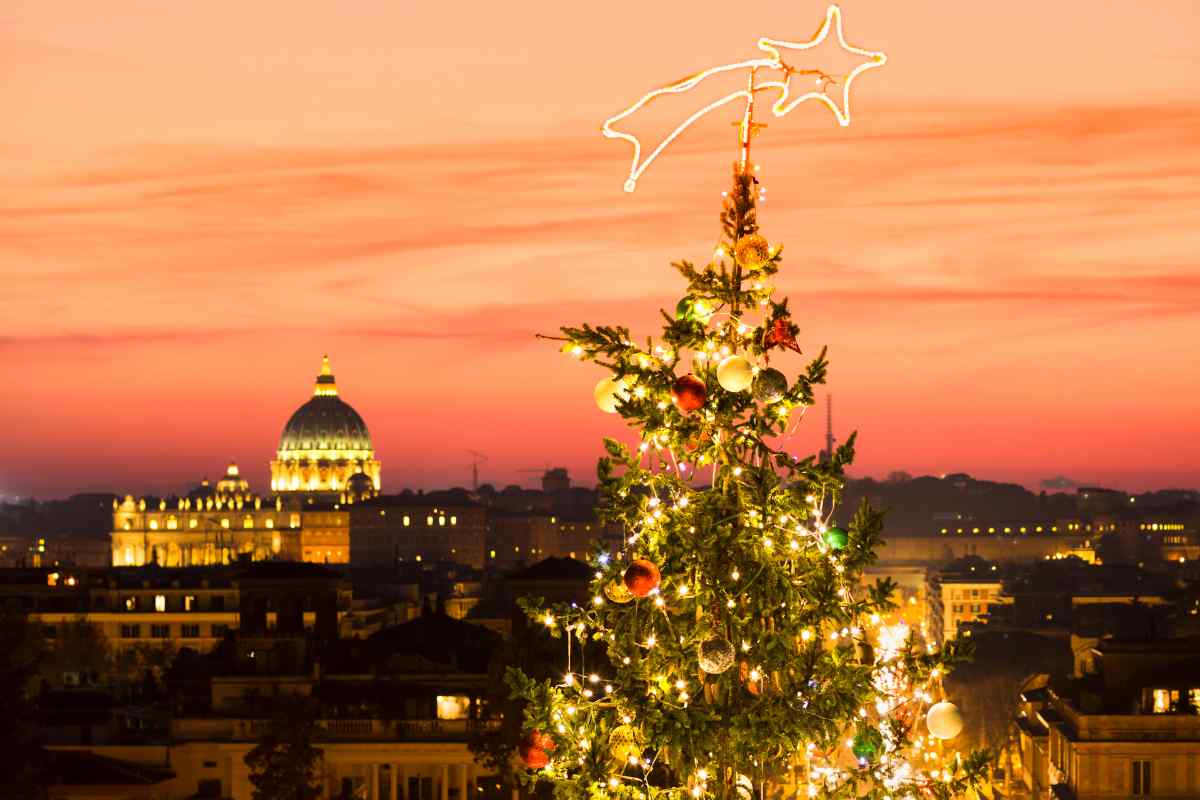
[690, 308]
[867, 744]
[836, 538]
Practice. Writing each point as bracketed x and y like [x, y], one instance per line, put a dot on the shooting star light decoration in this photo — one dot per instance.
[774, 60]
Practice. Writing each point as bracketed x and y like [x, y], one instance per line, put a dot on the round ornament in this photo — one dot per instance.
[696, 309]
[535, 749]
[735, 374]
[836, 538]
[867, 743]
[617, 592]
[608, 392]
[624, 743]
[769, 386]
[688, 393]
[752, 251]
[642, 577]
[745, 787]
[944, 720]
[716, 655]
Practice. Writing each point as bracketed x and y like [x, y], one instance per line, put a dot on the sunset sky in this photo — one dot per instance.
[198, 199]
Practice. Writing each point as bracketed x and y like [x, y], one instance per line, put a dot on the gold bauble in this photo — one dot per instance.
[624, 743]
[752, 251]
[617, 591]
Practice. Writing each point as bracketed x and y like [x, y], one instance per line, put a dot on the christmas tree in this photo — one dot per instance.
[743, 653]
[731, 648]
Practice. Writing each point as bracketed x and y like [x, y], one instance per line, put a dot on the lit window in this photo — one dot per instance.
[453, 706]
[131, 604]
[441, 520]
[248, 522]
[160, 602]
[172, 524]
[189, 602]
[270, 523]
[192, 522]
[429, 521]
[406, 520]
[295, 521]
[225, 522]
[153, 524]
[454, 520]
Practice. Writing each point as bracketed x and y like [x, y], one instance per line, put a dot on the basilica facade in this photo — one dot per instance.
[325, 461]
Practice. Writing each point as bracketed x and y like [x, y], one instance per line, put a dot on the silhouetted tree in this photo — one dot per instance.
[285, 765]
[22, 760]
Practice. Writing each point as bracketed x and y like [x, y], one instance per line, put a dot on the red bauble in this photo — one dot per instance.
[535, 749]
[642, 577]
[688, 393]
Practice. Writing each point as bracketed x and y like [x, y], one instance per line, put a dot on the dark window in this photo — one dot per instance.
[189, 631]
[1141, 778]
[218, 631]
[217, 603]
[208, 787]
[160, 631]
[131, 631]
[49, 631]
[210, 765]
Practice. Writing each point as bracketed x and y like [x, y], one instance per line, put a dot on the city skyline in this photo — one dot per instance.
[999, 255]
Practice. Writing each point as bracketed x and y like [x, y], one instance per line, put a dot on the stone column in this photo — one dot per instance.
[394, 781]
[462, 783]
[444, 794]
[373, 792]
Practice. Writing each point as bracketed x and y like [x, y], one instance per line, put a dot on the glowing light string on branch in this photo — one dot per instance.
[777, 52]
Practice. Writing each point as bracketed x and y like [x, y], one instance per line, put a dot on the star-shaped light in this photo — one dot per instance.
[773, 61]
[786, 102]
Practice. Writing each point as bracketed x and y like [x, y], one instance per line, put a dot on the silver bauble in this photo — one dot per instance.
[716, 656]
[769, 386]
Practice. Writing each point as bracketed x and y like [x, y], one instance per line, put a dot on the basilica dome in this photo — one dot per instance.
[324, 444]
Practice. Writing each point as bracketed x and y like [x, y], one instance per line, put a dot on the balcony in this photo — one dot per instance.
[347, 729]
[1127, 727]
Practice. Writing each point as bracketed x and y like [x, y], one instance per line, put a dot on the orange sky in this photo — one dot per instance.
[198, 199]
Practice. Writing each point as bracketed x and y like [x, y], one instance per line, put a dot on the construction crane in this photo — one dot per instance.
[477, 458]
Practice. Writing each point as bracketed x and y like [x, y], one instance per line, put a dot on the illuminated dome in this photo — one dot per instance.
[324, 444]
[232, 485]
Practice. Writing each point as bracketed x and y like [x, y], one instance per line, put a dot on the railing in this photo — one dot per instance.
[1129, 727]
[340, 729]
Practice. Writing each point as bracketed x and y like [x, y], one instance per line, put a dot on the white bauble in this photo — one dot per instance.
[735, 374]
[744, 787]
[608, 392]
[944, 720]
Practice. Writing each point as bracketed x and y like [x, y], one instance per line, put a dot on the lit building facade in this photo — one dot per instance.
[324, 444]
[1129, 730]
[960, 593]
[219, 525]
